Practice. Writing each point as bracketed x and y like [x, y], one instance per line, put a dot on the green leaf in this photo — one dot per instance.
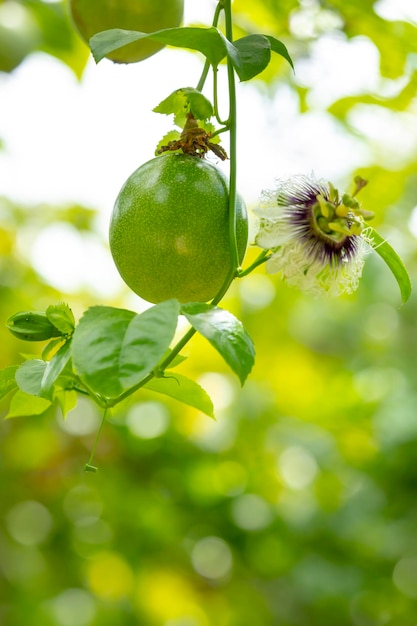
[55, 366]
[210, 128]
[114, 349]
[395, 264]
[50, 347]
[148, 336]
[249, 55]
[24, 405]
[174, 104]
[209, 41]
[7, 380]
[173, 135]
[183, 389]
[67, 400]
[29, 376]
[97, 345]
[36, 377]
[278, 47]
[225, 333]
[200, 106]
[61, 316]
[176, 361]
[255, 54]
[399, 102]
[183, 101]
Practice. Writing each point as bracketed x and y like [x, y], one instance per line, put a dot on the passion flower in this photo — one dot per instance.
[317, 238]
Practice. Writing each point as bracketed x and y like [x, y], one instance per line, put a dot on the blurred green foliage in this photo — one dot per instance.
[297, 507]
[30, 25]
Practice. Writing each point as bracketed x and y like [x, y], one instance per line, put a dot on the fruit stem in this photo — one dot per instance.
[207, 64]
[216, 100]
[261, 258]
[218, 131]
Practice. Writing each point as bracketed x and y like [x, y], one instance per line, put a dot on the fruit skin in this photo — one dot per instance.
[93, 16]
[19, 34]
[169, 231]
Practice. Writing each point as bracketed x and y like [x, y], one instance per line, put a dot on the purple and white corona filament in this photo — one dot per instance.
[317, 238]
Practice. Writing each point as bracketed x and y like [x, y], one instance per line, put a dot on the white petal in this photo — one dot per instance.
[313, 277]
[272, 234]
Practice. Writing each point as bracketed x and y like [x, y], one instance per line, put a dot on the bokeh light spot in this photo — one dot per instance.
[219, 388]
[82, 420]
[82, 505]
[169, 598]
[148, 420]
[297, 467]
[73, 607]
[23, 564]
[29, 523]
[251, 512]
[381, 322]
[375, 383]
[405, 576]
[109, 576]
[230, 478]
[93, 531]
[183, 621]
[215, 436]
[257, 291]
[211, 557]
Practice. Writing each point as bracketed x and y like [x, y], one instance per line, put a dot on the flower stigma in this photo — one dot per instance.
[317, 237]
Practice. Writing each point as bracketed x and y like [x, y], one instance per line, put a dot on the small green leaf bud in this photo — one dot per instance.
[32, 326]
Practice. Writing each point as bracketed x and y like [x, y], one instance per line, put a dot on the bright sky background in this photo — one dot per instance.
[77, 142]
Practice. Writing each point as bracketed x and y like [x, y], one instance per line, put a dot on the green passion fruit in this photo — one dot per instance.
[169, 231]
[19, 34]
[93, 16]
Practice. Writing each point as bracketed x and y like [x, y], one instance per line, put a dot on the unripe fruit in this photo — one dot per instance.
[19, 34]
[169, 232]
[93, 16]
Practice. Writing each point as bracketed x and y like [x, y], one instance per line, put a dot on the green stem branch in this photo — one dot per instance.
[161, 367]
[262, 258]
[232, 125]
[97, 398]
[225, 129]
[207, 64]
[216, 99]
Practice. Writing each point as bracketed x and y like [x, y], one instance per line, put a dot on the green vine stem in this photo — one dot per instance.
[207, 64]
[225, 129]
[232, 125]
[233, 273]
[262, 258]
[224, 123]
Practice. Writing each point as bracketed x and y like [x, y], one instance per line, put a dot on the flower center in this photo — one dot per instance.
[334, 218]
